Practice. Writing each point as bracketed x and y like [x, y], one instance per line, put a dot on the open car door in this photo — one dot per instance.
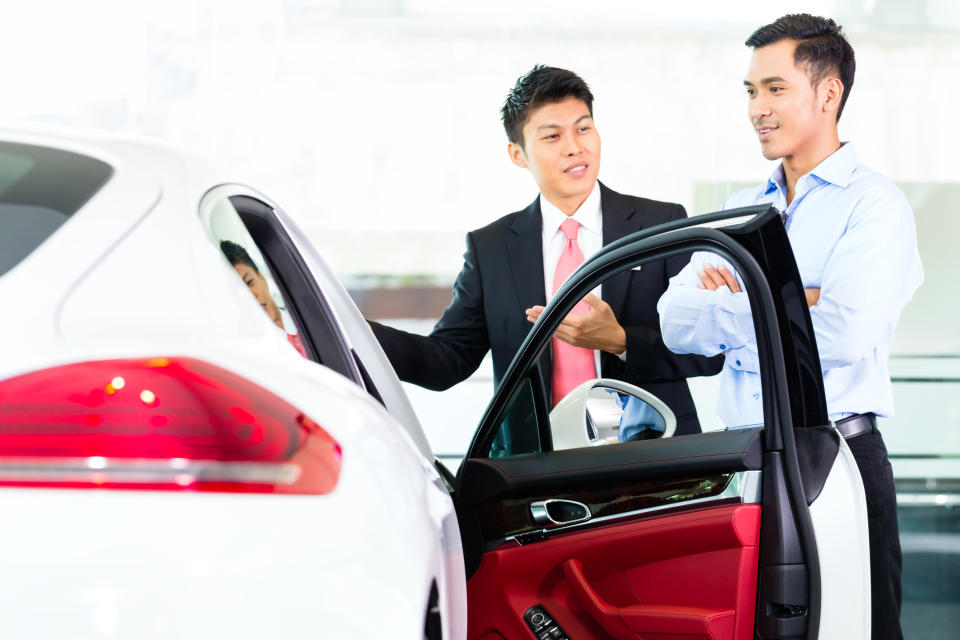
[750, 532]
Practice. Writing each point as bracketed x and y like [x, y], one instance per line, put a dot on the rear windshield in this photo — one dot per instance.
[39, 189]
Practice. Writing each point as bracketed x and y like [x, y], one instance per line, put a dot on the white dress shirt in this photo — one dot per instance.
[854, 238]
[589, 237]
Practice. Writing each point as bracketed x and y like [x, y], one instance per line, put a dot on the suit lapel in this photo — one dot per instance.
[525, 253]
[619, 220]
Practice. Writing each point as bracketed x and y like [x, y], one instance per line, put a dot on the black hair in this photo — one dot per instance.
[539, 86]
[821, 48]
[236, 254]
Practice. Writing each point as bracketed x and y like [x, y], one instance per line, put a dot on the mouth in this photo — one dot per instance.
[764, 132]
[576, 170]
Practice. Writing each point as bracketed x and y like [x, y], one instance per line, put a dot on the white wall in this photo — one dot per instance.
[376, 121]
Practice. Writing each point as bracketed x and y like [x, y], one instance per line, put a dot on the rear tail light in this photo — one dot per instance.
[161, 424]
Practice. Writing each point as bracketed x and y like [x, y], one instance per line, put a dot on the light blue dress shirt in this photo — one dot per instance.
[853, 235]
[637, 416]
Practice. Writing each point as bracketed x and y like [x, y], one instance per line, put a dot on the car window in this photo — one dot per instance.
[238, 214]
[40, 188]
[646, 393]
[228, 233]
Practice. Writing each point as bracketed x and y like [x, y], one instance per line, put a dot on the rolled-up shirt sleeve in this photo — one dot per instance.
[703, 321]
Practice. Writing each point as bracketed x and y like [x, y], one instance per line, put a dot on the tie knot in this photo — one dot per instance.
[569, 227]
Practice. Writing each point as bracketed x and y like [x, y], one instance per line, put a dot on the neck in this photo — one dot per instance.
[567, 204]
[799, 164]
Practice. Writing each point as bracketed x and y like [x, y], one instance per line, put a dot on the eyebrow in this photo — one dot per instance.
[769, 80]
[585, 116]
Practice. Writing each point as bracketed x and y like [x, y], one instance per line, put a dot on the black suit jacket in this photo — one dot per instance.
[502, 276]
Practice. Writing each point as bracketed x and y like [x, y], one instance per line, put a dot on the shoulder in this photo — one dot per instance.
[746, 197]
[868, 183]
[875, 196]
[501, 224]
[516, 222]
[651, 210]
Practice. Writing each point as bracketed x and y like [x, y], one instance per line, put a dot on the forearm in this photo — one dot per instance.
[648, 358]
[433, 362]
[704, 322]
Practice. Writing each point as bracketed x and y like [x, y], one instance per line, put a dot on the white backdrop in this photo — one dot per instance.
[377, 120]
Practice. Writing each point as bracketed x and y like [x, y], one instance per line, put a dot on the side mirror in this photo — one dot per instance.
[606, 411]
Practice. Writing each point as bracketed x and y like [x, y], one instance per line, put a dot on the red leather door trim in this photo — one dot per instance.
[624, 623]
[686, 575]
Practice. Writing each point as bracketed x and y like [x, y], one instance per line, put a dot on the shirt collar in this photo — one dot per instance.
[588, 215]
[776, 181]
[837, 168]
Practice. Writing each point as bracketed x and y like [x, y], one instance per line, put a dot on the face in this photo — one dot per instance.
[788, 114]
[561, 150]
[258, 287]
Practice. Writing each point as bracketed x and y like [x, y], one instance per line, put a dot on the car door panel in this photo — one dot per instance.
[638, 579]
[662, 513]
[702, 454]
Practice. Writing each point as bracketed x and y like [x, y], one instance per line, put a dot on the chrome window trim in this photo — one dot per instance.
[744, 488]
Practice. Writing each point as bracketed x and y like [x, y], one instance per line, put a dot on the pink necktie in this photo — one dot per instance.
[571, 365]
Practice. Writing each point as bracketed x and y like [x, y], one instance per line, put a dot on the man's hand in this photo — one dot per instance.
[596, 329]
[713, 278]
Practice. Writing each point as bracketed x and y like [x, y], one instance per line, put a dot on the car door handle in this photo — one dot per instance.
[556, 513]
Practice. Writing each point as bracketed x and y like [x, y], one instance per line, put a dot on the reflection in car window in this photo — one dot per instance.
[256, 281]
[40, 188]
[230, 235]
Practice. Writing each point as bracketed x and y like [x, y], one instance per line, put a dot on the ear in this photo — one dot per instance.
[831, 92]
[517, 157]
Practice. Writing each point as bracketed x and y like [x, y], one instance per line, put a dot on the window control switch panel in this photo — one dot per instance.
[542, 624]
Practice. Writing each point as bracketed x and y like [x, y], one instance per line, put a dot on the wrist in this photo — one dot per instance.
[618, 343]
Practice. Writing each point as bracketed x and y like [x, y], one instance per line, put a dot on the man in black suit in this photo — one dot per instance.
[548, 117]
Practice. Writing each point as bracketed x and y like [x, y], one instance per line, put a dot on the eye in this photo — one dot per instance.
[776, 89]
[551, 136]
[751, 92]
[584, 128]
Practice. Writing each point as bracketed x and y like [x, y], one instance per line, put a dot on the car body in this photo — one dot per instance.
[133, 276]
[171, 466]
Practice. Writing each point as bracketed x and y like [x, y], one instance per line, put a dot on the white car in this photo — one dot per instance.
[200, 437]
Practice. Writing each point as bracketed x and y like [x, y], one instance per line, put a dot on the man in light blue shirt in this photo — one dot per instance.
[854, 238]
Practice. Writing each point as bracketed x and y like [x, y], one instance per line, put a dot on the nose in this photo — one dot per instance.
[573, 146]
[758, 106]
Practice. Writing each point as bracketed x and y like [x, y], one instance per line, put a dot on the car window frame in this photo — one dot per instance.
[318, 329]
[716, 233]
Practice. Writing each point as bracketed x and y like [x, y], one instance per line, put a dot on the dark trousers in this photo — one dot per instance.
[885, 562]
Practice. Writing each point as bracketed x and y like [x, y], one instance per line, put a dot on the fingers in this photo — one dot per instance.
[709, 278]
[567, 335]
[534, 312]
[729, 280]
[712, 278]
[593, 301]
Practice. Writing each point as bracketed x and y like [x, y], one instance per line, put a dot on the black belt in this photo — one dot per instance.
[856, 425]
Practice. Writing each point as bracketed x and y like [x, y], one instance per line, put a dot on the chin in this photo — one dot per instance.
[770, 153]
